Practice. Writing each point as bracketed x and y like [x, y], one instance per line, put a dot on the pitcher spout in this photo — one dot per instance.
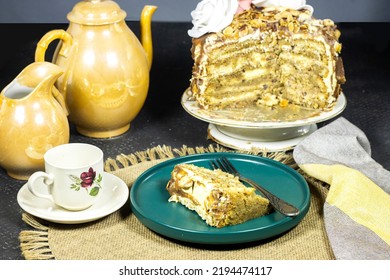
[41, 76]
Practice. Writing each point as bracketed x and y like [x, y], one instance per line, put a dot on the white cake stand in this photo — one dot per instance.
[271, 130]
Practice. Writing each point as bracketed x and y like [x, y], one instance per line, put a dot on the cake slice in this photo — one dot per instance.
[219, 198]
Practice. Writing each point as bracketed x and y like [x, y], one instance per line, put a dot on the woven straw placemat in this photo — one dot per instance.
[120, 236]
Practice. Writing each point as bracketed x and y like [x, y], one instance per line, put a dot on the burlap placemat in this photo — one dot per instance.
[120, 236]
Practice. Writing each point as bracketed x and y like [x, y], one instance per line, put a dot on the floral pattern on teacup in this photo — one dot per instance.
[88, 181]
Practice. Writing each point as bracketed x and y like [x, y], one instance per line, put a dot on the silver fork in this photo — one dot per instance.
[280, 205]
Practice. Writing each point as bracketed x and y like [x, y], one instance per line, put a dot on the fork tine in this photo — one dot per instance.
[223, 166]
[213, 164]
[229, 166]
[217, 164]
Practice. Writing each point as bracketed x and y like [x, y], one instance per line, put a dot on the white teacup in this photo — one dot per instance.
[73, 177]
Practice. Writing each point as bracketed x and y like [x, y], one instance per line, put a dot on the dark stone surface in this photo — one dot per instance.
[163, 121]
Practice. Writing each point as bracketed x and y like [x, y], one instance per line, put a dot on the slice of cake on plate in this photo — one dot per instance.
[219, 198]
[264, 53]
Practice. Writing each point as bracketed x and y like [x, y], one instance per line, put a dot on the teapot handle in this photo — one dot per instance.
[43, 44]
[57, 34]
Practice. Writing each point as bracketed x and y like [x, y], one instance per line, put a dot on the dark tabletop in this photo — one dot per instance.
[163, 121]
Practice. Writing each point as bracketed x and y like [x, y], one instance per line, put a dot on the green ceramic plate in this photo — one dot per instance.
[149, 201]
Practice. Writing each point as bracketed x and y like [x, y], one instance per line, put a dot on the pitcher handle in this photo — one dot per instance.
[57, 34]
[60, 99]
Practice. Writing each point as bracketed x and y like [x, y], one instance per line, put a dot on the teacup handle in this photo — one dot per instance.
[32, 183]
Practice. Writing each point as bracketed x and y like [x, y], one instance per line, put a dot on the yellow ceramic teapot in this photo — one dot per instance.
[106, 69]
[31, 119]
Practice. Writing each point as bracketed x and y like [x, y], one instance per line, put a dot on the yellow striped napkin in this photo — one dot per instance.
[357, 208]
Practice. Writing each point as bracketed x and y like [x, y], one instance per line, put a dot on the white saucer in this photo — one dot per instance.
[115, 193]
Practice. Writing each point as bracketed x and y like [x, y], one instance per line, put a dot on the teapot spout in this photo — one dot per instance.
[146, 32]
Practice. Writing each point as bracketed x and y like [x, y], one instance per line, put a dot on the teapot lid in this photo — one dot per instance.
[96, 12]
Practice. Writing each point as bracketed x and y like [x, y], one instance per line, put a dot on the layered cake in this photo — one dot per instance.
[219, 198]
[264, 53]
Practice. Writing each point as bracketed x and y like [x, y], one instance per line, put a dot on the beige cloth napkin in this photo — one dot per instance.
[122, 236]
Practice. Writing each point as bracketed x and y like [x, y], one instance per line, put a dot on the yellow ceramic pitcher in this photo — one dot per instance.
[31, 119]
[106, 69]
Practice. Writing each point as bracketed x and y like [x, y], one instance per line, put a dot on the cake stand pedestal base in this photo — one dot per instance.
[269, 139]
